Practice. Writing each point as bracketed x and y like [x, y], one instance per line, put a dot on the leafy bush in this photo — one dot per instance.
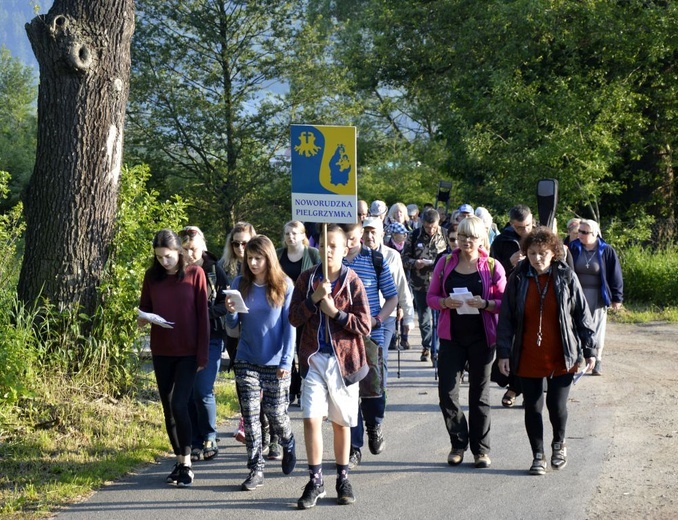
[650, 275]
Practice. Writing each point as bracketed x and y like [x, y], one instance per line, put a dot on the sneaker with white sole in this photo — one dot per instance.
[559, 455]
[345, 495]
[312, 492]
[538, 464]
[253, 481]
[185, 476]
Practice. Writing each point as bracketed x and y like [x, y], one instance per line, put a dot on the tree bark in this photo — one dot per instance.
[83, 49]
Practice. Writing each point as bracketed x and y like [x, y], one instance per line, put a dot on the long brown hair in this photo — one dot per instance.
[276, 279]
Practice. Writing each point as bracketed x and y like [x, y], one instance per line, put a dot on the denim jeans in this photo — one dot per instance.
[203, 410]
[425, 318]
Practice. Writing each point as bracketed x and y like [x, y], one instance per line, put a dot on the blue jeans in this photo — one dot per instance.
[373, 409]
[425, 318]
[203, 410]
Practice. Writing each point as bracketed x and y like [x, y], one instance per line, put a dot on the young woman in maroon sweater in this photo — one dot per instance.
[177, 293]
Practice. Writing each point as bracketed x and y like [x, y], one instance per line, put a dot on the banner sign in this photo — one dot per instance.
[324, 174]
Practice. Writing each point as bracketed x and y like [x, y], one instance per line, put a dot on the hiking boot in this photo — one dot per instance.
[185, 476]
[424, 355]
[345, 494]
[174, 475]
[253, 481]
[354, 458]
[559, 455]
[455, 457]
[538, 465]
[482, 460]
[289, 458]
[274, 452]
[597, 369]
[375, 438]
[312, 493]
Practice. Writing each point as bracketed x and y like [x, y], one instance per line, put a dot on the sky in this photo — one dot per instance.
[14, 15]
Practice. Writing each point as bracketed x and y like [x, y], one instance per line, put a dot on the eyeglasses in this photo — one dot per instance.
[190, 232]
[462, 236]
[235, 243]
[582, 232]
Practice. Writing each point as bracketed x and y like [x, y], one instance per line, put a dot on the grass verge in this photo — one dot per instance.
[644, 313]
[58, 447]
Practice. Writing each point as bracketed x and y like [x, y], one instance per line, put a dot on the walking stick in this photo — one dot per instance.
[397, 333]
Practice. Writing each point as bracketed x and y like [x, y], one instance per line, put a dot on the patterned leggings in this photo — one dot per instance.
[260, 389]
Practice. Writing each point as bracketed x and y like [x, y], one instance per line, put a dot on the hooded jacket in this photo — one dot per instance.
[346, 330]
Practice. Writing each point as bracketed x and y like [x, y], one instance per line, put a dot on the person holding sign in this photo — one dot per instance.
[263, 362]
[176, 292]
[467, 287]
[333, 313]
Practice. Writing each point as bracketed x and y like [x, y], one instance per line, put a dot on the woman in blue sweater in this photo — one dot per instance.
[263, 360]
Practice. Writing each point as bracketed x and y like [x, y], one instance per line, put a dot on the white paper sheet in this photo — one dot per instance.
[462, 294]
[154, 318]
[236, 298]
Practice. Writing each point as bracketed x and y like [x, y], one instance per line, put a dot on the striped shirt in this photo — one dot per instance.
[364, 267]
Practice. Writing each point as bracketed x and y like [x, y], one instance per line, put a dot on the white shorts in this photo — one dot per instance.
[324, 394]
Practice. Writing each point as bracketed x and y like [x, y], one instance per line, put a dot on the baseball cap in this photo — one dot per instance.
[373, 222]
[466, 208]
[378, 208]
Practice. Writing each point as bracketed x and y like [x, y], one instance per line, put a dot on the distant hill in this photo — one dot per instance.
[14, 15]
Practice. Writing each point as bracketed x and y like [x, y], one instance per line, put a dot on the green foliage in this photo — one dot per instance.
[140, 215]
[650, 275]
[18, 123]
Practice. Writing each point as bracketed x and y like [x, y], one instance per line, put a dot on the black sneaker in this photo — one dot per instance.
[404, 344]
[185, 476]
[354, 458]
[289, 458]
[253, 481]
[174, 475]
[312, 493]
[375, 438]
[345, 494]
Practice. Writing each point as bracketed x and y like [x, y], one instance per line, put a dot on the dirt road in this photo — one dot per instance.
[640, 384]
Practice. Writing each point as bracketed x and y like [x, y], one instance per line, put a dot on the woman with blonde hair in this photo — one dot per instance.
[234, 249]
[467, 336]
[295, 257]
[396, 213]
[263, 360]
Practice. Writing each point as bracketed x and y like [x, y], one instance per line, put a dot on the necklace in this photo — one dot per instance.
[588, 257]
[542, 297]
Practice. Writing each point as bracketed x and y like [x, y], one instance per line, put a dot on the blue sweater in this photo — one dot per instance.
[266, 336]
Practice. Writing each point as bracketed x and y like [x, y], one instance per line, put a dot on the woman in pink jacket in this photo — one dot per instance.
[466, 287]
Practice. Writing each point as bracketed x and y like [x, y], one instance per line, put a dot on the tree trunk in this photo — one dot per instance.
[83, 49]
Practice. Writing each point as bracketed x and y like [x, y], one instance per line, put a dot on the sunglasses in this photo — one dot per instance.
[582, 232]
[235, 243]
[190, 232]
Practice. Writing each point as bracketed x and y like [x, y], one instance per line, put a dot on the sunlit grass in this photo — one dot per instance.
[60, 446]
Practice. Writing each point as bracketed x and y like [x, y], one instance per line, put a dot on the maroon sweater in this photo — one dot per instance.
[346, 331]
[184, 303]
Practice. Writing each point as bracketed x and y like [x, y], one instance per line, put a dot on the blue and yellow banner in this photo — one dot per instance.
[324, 173]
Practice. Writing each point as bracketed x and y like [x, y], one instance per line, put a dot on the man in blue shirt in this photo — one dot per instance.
[360, 259]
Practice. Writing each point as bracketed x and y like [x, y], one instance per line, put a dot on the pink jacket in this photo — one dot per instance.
[493, 289]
